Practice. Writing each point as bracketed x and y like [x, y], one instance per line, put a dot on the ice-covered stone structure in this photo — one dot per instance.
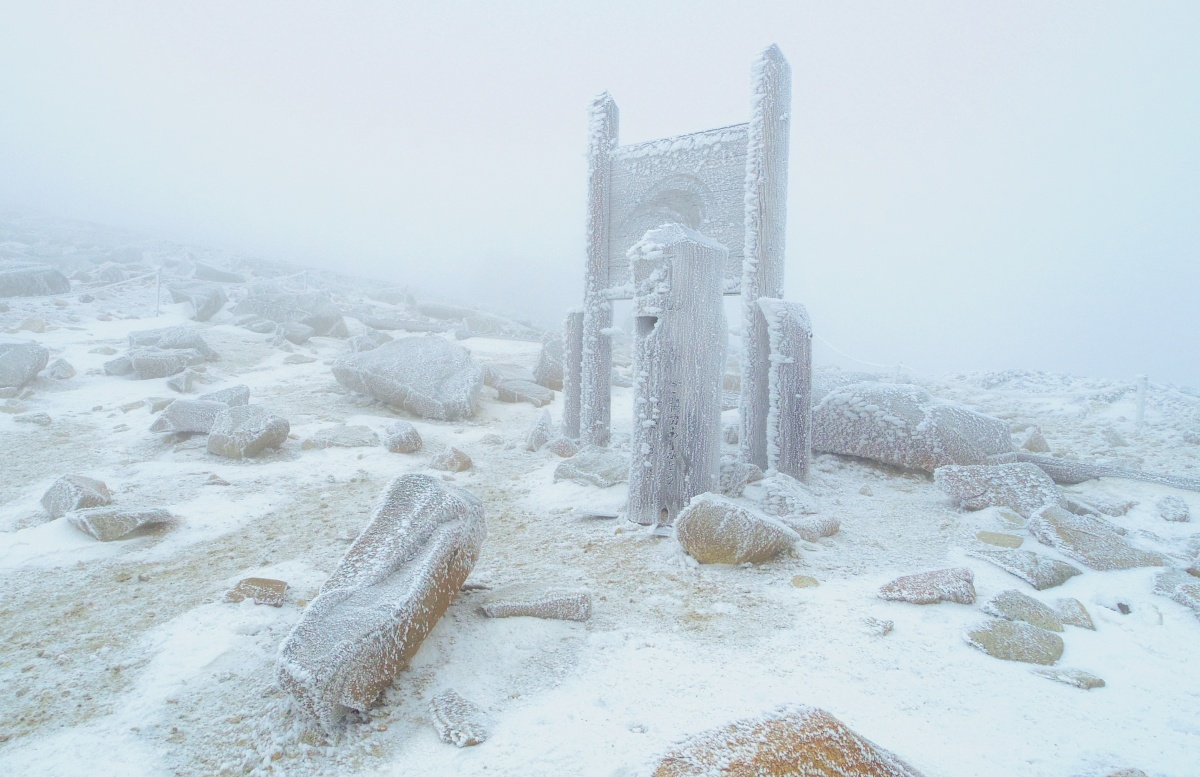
[789, 384]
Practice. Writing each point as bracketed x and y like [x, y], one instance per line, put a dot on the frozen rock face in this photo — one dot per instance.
[942, 585]
[524, 391]
[60, 369]
[789, 408]
[75, 492]
[904, 426]
[1016, 606]
[794, 741]
[368, 341]
[190, 416]
[246, 431]
[551, 604]
[1039, 571]
[563, 447]
[426, 376]
[451, 460]
[313, 309]
[549, 369]
[784, 495]
[389, 590]
[457, 721]
[1015, 641]
[734, 476]
[1071, 612]
[207, 299]
[1021, 487]
[540, 433]
[1172, 508]
[594, 465]
[402, 437]
[343, 436]
[112, 523]
[1089, 540]
[1179, 586]
[234, 396]
[715, 530]
[29, 279]
[496, 374]
[20, 363]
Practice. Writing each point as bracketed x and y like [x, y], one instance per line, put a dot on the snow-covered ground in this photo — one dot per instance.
[122, 657]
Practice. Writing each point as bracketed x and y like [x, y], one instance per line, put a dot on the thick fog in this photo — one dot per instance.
[972, 186]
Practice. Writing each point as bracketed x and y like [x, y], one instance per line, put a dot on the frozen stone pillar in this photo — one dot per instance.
[572, 372]
[766, 220]
[595, 407]
[679, 360]
[789, 405]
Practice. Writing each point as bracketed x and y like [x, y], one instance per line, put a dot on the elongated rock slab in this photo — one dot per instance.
[75, 492]
[1015, 641]
[459, 722]
[113, 523]
[1089, 540]
[550, 604]
[1039, 571]
[1021, 487]
[426, 376]
[956, 584]
[386, 594]
[246, 431]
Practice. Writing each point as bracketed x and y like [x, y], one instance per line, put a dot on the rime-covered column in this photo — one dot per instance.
[572, 372]
[679, 361]
[596, 385]
[766, 222]
[789, 405]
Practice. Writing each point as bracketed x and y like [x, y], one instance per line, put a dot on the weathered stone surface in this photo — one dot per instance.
[457, 721]
[60, 369]
[956, 584]
[715, 530]
[427, 376]
[35, 324]
[1000, 539]
[207, 299]
[734, 476]
[293, 332]
[182, 383]
[549, 369]
[176, 338]
[368, 340]
[550, 603]
[1127, 773]
[150, 363]
[234, 396]
[386, 594]
[904, 426]
[1071, 612]
[112, 523]
[1181, 587]
[784, 495]
[1021, 487]
[540, 433]
[524, 391]
[794, 741]
[804, 581]
[342, 436]
[1091, 541]
[594, 465]
[246, 431]
[75, 492]
[1016, 641]
[122, 365]
[1016, 606]
[402, 437]
[812, 527]
[29, 279]
[452, 460]
[563, 447]
[1075, 677]
[1039, 571]
[298, 358]
[191, 416]
[1172, 508]
[1033, 440]
[20, 363]
[314, 309]
[262, 590]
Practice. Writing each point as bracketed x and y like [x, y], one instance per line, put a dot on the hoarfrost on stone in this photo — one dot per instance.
[426, 376]
[75, 492]
[402, 437]
[956, 584]
[540, 433]
[528, 600]
[246, 431]
[594, 465]
[715, 530]
[192, 416]
[20, 363]
[452, 460]
[1016, 606]
[1172, 508]
[1015, 641]
[1039, 571]
[1022, 487]
[1089, 540]
[458, 721]
[112, 523]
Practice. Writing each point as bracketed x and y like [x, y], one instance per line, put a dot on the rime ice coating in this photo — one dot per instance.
[386, 594]
[426, 376]
[789, 384]
[1021, 487]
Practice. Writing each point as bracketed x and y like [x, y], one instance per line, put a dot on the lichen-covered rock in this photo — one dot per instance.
[75, 492]
[1016, 606]
[402, 437]
[594, 465]
[1071, 612]
[550, 603]
[524, 391]
[1016, 641]
[20, 363]
[386, 594]
[30, 279]
[1172, 508]
[549, 369]
[262, 590]
[1039, 571]
[314, 309]
[457, 721]
[1000, 539]
[1179, 586]
[794, 741]
[343, 436]
[112, 523]
[368, 340]
[784, 495]
[904, 426]
[956, 584]
[1021, 487]
[207, 299]
[234, 396]
[540, 433]
[60, 369]
[452, 460]
[1089, 540]
[812, 527]
[246, 431]
[426, 376]
[188, 416]
[1076, 677]
[715, 530]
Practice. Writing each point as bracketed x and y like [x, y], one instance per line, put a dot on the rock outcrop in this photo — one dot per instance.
[715, 530]
[426, 376]
[1021, 487]
[956, 584]
[246, 431]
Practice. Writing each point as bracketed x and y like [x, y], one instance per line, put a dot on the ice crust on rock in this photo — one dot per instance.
[1091, 541]
[715, 530]
[112, 523]
[1071, 612]
[540, 433]
[385, 595]
[342, 436]
[75, 492]
[783, 495]
[192, 416]
[246, 431]
[594, 465]
[426, 376]
[1178, 586]
[368, 340]
[1015, 641]
[458, 721]
[812, 527]
[956, 584]
[30, 279]
[789, 382]
[314, 309]
[1016, 606]
[1075, 677]
[234, 396]
[905, 426]
[402, 437]
[550, 603]
[1172, 508]
[151, 363]
[21, 362]
[793, 741]
[1039, 571]
[176, 338]
[452, 460]
[1021, 487]
[524, 391]
[60, 369]
[549, 369]
[206, 299]
[735, 474]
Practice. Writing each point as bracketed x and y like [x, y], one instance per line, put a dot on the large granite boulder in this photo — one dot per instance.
[315, 309]
[1089, 540]
[245, 431]
[21, 362]
[426, 376]
[385, 595]
[716, 530]
[75, 492]
[1022, 487]
[29, 279]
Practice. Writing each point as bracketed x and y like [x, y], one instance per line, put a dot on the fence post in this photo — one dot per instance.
[158, 292]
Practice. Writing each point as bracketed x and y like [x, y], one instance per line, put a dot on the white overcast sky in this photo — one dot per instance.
[973, 185]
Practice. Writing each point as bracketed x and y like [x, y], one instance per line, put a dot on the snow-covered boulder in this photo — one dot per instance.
[75, 492]
[188, 416]
[1015, 641]
[233, 396]
[314, 309]
[1016, 606]
[1172, 508]
[594, 465]
[246, 431]
[402, 437]
[1089, 540]
[385, 595]
[426, 376]
[1071, 612]
[206, 272]
[1181, 587]
[1022, 487]
[150, 363]
[342, 436]
[207, 299]
[540, 433]
[176, 338]
[784, 495]
[1039, 571]
[524, 391]
[458, 721]
[368, 340]
[549, 369]
[812, 527]
[715, 530]
[956, 584]
[452, 460]
[20, 363]
[60, 369]
[29, 279]
[904, 426]
[112, 523]
[548, 603]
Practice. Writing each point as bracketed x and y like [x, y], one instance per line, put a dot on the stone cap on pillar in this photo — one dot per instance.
[659, 238]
